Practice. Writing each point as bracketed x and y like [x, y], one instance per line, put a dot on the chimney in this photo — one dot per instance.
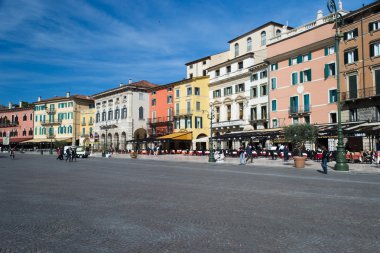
[20, 104]
[340, 4]
[319, 14]
[120, 84]
[10, 105]
[129, 81]
[39, 99]
[68, 94]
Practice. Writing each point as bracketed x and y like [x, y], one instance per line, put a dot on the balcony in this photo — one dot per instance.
[9, 124]
[360, 94]
[51, 123]
[83, 124]
[91, 123]
[257, 120]
[299, 110]
[229, 123]
[50, 136]
[159, 120]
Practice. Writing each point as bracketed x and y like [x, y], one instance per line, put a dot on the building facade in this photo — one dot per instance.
[59, 119]
[16, 122]
[360, 76]
[121, 115]
[239, 85]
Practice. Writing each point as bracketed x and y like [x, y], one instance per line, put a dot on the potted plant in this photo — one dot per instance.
[133, 154]
[298, 135]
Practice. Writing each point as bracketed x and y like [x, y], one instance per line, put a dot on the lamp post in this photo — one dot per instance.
[341, 163]
[211, 116]
[51, 138]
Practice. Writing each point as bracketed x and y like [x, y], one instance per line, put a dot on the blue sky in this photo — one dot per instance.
[48, 47]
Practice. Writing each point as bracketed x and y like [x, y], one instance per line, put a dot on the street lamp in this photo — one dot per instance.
[211, 116]
[51, 137]
[341, 162]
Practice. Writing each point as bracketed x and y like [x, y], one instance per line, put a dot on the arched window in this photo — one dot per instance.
[124, 112]
[24, 132]
[70, 130]
[24, 118]
[249, 44]
[97, 117]
[236, 49]
[91, 130]
[263, 38]
[64, 129]
[30, 131]
[110, 114]
[16, 119]
[141, 112]
[43, 130]
[278, 32]
[59, 130]
[117, 113]
[104, 115]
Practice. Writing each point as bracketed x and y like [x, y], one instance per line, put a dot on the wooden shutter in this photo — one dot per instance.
[299, 59]
[290, 61]
[309, 56]
[370, 27]
[326, 51]
[356, 33]
[301, 77]
[326, 70]
[372, 50]
[356, 55]
[345, 57]
[345, 36]
[309, 75]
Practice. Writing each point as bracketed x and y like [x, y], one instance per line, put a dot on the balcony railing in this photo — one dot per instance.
[90, 123]
[360, 94]
[50, 110]
[299, 110]
[50, 136]
[159, 120]
[229, 123]
[9, 124]
[51, 123]
[83, 124]
[256, 119]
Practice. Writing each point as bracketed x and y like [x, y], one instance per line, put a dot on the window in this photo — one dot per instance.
[373, 26]
[31, 116]
[177, 124]
[274, 83]
[253, 92]
[278, 32]
[274, 123]
[264, 114]
[306, 119]
[264, 90]
[350, 34]
[141, 112]
[329, 69]
[351, 56]
[24, 132]
[70, 104]
[305, 76]
[30, 132]
[191, 66]
[217, 72]
[177, 93]
[241, 110]
[197, 91]
[141, 96]
[306, 102]
[204, 62]
[188, 107]
[332, 96]
[333, 117]
[83, 131]
[153, 116]
[217, 113]
[263, 74]
[70, 130]
[240, 65]
[153, 93]
[198, 122]
[191, 76]
[294, 78]
[170, 114]
[329, 50]
[69, 116]
[124, 112]
[169, 99]
[198, 106]
[188, 122]
[353, 86]
[228, 69]
[263, 38]
[236, 50]
[169, 89]
[24, 118]
[83, 120]
[254, 77]
[249, 44]
[239, 88]
[110, 115]
[274, 105]
[274, 66]
[377, 81]
[189, 91]
[296, 120]
[117, 113]
[374, 49]
[228, 112]
[227, 91]
[253, 113]
[293, 104]
[177, 109]
[216, 94]
[153, 102]
[353, 115]
[204, 72]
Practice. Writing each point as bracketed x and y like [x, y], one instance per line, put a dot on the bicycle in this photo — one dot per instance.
[12, 155]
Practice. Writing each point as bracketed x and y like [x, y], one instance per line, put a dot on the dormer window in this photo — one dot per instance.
[249, 44]
[236, 50]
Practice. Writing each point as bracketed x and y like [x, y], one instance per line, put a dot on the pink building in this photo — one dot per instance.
[302, 75]
[16, 122]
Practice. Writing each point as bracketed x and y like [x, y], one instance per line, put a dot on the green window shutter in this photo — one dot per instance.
[251, 93]
[333, 69]
[299, 59]
[326, 51]
[301, 77]
[372, 50]
[309, 75]
[290, 61]
[326, 70]
[309, 56]
[276, 66]
[201, 122]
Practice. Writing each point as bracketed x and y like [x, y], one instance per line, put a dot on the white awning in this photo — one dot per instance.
[203, 139]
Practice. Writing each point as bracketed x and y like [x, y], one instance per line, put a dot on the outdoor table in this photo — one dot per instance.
[191, 152]
[184, 152]
[234, 153]
[207, 152]
[179, 151]
[144, 152]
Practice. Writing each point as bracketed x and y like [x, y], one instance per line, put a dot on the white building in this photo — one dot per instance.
[121, 115]
[239, 83]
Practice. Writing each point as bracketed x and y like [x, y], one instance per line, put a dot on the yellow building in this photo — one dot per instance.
[63, 119]
[191, 111]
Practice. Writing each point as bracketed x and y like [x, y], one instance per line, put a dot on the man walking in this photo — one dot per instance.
[248, 150]
[68, 155]
[241, 155]
[325, 157]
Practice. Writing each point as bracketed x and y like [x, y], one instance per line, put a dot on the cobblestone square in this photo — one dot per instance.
[125, 205]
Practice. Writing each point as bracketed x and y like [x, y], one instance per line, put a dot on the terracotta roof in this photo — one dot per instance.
[83, 97]
[143, 84]
[140, 84]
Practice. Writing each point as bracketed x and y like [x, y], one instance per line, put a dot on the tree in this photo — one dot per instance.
[299, 134]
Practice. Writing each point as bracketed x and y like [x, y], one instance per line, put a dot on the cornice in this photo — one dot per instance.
[228, 62]
[230, 79]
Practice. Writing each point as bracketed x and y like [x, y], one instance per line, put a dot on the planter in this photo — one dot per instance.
[133, 155]
[299, 161]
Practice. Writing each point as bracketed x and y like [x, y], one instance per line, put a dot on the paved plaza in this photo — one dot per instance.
[125, 205]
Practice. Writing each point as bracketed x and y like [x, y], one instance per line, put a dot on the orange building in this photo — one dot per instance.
[160, 121]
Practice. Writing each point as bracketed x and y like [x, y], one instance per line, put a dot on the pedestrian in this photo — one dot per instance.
[325, 157]
[248, 150]
[58, 153]
[73, 154]
[68, 155]
[241, 155]
[155, 150]
[286, 153]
